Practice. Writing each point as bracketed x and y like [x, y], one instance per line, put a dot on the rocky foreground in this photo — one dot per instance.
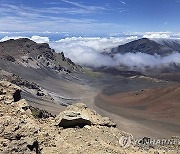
[24, 129]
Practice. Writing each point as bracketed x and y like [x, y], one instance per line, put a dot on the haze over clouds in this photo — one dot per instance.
[89, 52]
[151, 35]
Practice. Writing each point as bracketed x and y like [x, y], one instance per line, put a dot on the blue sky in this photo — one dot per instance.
[90, 16]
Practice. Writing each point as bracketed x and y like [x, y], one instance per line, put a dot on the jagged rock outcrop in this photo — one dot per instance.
[80, 115]
[22, 133]
[25, 85]
[9, 92]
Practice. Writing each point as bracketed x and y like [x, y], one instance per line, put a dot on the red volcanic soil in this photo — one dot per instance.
[148, 107]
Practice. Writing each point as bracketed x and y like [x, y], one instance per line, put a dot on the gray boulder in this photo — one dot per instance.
[79, 115]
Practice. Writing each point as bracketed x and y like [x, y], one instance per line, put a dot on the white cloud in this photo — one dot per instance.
[96, 43]
[24, 18]
[23, 10]
[142, 60]
[136, 59]
[156, 35]
[86, 7]
[166, 35]
[88, 51]
[40, 39]
[123, 2]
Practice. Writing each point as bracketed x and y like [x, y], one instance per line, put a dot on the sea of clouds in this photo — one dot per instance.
[89, 52]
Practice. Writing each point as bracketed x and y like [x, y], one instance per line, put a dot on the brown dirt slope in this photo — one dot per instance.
[156, 108]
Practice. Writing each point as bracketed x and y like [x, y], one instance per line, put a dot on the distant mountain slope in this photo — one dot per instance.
[147, 46]
[31, 54]
[174, 44]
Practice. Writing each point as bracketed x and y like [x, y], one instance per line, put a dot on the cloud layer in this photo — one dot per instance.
[142, 60]
[157, 35]
[90, 52]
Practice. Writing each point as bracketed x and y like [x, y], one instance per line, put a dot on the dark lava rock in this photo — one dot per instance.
[10, 58]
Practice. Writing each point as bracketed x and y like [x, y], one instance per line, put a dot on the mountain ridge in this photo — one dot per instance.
[145, 45]
[31, 54]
